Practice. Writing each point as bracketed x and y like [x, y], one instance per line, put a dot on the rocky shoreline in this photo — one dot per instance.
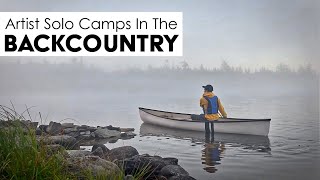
[83, 135]
[66, 139]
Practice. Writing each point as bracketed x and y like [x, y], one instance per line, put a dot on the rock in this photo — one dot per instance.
[113, 140]
[69, 130]
[128, 177]
[74, 134]
[43, 128]
[30, 124]
[127, 135]
[67, 125]
[126, 129]
[78, 153]
[170, 161]
[85, 132]
[81, 128]
[160, 178]
[121, 153]
[84, 126]
[102, 146]
[92, 129]
[66, 141]
[38, 131]
[150, 164]
[106, 133]
[84, 137]
[54, 128]
[99, 152]
[181, 177]
[92, 135]
[173, 170]
[93, 164]
[113, 128]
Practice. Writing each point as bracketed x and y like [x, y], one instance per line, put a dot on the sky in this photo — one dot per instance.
[248, 33]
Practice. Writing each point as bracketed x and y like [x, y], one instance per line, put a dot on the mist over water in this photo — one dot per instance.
[91, 96]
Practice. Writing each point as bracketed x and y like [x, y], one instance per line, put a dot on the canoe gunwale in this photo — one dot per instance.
[230, 120]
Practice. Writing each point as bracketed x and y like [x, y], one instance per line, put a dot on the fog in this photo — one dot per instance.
[45, 77]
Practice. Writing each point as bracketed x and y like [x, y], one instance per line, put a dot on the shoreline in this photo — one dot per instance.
[64, 140]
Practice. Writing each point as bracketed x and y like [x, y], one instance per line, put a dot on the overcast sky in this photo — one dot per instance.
[250, 33]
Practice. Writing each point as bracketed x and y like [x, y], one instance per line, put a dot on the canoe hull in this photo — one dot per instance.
[237, 127]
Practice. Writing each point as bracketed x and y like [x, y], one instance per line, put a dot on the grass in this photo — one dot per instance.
[23, 157]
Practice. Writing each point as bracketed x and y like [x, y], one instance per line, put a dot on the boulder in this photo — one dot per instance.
[99, 152]
[85, 137]
[85, 128]
[67, 125]
[74, 134]
[69, 130]
[66, 141]
[160, 177]
[93, 164]
[43, 128]
[29, 124]
[152, 165]
[78, 153]
[54, 128]
[87, 132]
[170, 161]
[113, 128]
[128, 177]
[181, 177]
[126, 129]
[173, 170]
[127, 135]
[102, 146]
[106, 133]
[122, 153]
[38, 131]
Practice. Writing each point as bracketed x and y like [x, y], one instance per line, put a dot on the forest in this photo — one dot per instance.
[75, 76]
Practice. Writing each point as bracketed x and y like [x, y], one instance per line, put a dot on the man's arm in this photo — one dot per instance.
[204, 105]
[221, 109]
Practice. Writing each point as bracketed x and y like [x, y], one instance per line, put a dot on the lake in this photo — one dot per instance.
[291, 151]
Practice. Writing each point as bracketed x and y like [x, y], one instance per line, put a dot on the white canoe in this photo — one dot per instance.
[224, 125]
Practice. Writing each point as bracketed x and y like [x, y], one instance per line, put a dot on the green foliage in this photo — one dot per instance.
[23, 157]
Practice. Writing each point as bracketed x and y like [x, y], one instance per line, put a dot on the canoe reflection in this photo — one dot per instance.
[252, 142]
[214, 147]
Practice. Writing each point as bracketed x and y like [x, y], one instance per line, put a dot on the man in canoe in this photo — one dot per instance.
[212, 108]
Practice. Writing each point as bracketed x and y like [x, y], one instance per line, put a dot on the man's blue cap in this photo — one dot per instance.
[208, 88]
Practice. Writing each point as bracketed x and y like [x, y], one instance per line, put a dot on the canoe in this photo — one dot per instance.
[223, 125]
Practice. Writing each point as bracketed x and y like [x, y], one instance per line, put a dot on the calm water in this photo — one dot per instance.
[290, 152]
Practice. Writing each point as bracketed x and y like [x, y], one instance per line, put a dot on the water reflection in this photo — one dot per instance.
[214, 145]
[211, 156]
[211, 153]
